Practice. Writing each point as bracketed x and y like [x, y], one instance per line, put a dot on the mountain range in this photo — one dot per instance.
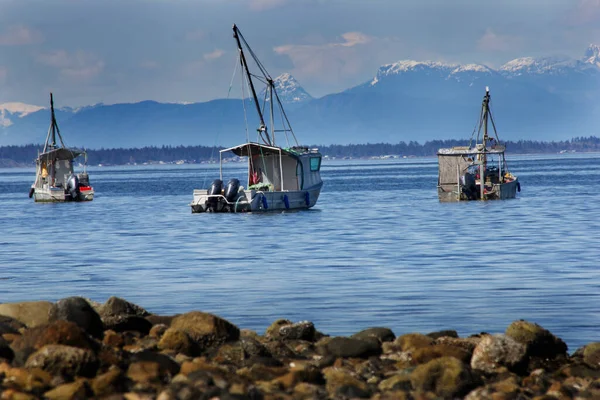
[548, 98]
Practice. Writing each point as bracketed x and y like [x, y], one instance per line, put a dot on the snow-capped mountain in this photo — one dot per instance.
[289, 90]
[592, 55]
[15, 110]
[446, 71]
[548, 98]
[552, 66]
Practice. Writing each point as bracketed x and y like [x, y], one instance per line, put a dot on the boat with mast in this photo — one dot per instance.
[278, 178]
[55, 180]
[478, 172]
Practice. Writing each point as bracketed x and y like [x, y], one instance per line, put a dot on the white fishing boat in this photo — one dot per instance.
[279, 178]
[55, 179]
[478, 172]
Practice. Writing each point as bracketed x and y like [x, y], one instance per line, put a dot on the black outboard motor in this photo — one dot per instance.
[232, 189]
[215, 189]
[84, 179]
[73, 186]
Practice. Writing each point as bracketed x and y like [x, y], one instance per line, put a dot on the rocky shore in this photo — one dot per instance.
[79, 349]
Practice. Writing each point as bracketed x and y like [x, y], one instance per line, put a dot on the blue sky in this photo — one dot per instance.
[182, 50]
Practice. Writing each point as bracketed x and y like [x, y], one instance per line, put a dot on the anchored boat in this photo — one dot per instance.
[478, 172]
[278, 178]
[55, 180]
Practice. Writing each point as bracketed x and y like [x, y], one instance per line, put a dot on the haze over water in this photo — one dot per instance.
[377, 250]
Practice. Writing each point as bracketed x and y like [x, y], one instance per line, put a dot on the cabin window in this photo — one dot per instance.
[315, 163]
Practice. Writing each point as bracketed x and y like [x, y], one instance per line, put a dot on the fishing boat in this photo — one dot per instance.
[279, 178]
[478, 171]
[55, 180]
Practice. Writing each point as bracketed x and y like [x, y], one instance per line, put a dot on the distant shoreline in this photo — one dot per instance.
[24, 156]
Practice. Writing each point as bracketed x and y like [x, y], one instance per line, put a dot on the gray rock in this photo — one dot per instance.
[349, 347]
[444, 333]
[304, 330]
[64, 360]
[5, 350]
[30, 313]
[539, 341]
[7, 323]
[495, 351]
[381, 334]
[79, 311]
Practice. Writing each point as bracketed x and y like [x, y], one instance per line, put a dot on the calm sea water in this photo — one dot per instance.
[377, 250]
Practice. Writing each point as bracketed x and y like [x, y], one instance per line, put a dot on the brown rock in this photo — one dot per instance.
[591, 354]
[447, 377]
[57, 332]
[12, 394]
[496, 351]
[337, 378]
[144, 372]
[426, 354]
[113, 339]
[176, 340]
[413, 341]
[78, 390]
[205, 329]
[158, 330]
[64, 360]
[397, 382]
[30, 380]
[539, 341]
[30, 313]
[108, 383]
[161, 319]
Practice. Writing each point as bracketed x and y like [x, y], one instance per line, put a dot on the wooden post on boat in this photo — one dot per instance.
[481, 179]
[457, 182]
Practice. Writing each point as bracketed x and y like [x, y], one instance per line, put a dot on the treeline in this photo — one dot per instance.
[25, 155]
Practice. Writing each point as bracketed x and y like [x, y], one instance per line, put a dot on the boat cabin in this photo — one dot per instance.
[463, 169]
[55, 167]
[277, 169]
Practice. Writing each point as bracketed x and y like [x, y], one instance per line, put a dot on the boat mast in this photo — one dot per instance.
[54, 126]
[483, 166]
[263, 128]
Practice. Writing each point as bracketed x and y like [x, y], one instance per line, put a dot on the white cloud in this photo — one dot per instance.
[342, 57]
[213, 55]
[259, 5]
[77, 66]
[491, 41]
[19, 35]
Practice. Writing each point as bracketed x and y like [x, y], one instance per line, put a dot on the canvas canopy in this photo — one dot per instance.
[61, 153]
[250, 149]
[465, 150]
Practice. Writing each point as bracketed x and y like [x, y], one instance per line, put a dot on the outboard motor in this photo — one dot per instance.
[469, 188]
[84, 179]
[232, 189]
[215, 189]
[73, 186]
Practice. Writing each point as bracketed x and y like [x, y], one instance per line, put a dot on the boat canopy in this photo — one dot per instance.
[466, 150]
[249, 149]
[61, 153]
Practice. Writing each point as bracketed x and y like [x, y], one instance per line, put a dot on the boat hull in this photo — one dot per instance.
[58, 195]
[500, 191]
[256, 201]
